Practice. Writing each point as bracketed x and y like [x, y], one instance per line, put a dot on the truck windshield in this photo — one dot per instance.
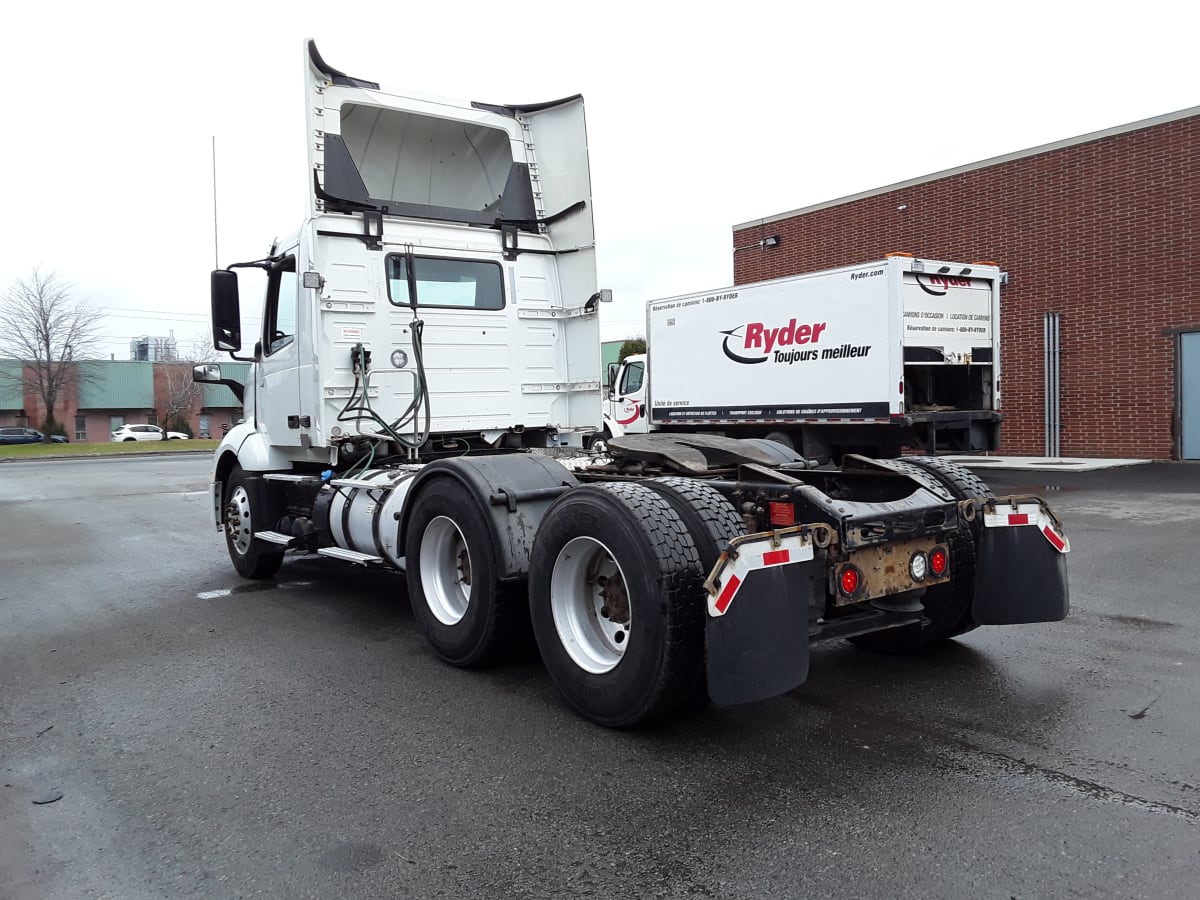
[465, 283]
[632, 382]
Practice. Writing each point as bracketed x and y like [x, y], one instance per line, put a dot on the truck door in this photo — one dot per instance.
[278, 402]
[629, 399]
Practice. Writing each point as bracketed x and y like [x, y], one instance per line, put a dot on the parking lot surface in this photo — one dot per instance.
[212, 737]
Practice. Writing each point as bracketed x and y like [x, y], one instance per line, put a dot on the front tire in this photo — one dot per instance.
[597, 441]
[242, 518]
[617, 603]
[465, 614]
[781, 437]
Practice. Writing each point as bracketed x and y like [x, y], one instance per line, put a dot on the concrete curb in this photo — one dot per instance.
[1043, 463]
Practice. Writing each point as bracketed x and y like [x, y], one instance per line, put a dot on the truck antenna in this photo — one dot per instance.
[216, 250]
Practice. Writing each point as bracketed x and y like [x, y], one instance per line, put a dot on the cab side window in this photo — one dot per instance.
[279, 319]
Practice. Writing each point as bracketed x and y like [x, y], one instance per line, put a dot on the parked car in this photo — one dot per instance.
[17, 435]
[145, 433]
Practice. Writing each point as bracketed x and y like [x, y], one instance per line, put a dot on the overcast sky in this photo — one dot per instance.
[700, 116]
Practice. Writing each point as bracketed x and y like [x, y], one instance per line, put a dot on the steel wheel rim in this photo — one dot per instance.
[237, 521]
[587, 580]
[445, 570]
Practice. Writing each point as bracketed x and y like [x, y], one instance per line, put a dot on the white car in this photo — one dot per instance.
[145, 433]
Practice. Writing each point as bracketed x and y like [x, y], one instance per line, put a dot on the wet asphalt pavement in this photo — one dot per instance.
[297, 738]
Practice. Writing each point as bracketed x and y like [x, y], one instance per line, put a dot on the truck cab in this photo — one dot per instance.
[441, 291]
[625, 410]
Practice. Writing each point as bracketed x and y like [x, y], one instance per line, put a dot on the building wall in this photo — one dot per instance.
[133, 392]
[1102, 232]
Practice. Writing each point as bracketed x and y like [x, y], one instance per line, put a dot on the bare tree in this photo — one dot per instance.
[45, 327]
[180, 393]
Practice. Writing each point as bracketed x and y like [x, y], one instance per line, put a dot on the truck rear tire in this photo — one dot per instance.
[460, 607]
[617, 604]
[947, 606]
[251, 558]
[712, 522]
[781, 437]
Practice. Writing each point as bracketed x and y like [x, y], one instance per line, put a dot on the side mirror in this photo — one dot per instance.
[612, 375]
[226, 311]
[207, 374]
[210, 373]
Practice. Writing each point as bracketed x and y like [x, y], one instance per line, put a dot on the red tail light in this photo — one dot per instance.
[939, 561]
[849, 580]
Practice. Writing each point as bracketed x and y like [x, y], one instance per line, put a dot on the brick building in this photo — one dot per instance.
[99, 396]
[1097, 234]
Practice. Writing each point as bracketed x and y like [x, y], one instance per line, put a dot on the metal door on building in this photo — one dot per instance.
[1189, 395]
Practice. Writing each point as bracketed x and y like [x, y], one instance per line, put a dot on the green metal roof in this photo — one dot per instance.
[218, 396]
[11, 393]
[116, 384]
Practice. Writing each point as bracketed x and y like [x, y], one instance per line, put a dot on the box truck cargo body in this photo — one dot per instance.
[865, 357]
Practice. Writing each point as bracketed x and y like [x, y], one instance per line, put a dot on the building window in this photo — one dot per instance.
[23, 421]
[116, 423]
[81, 428]
[152, 419]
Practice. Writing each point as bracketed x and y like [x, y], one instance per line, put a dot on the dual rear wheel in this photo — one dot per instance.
[615, 592]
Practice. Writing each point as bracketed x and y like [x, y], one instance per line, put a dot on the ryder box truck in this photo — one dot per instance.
[867, 358]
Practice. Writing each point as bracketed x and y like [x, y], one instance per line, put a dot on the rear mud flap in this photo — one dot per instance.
[1019, 577]
[759, 647]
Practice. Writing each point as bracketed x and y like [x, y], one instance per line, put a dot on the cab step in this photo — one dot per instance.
[353, 556]
[274, 537]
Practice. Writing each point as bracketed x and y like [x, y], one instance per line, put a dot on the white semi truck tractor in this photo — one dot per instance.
[428, 359]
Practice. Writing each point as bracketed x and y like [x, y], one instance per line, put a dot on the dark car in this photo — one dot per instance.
[15, 435]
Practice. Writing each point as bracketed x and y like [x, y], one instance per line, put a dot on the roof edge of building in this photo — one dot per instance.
[1115, 130]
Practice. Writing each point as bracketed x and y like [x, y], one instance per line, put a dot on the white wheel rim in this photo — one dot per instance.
[590, 603]
[445, 570]
[237, 520]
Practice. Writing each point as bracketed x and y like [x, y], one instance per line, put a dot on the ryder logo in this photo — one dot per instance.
[754, 342]
[939, 285]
